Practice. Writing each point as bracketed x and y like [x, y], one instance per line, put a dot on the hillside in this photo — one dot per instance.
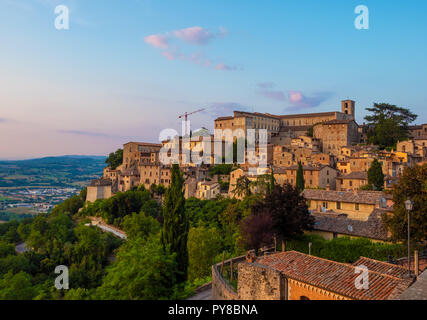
[63, 171]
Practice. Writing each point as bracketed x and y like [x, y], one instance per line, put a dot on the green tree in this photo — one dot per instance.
[175, 223]
[204, 244]
[16, 287]
[272, 182]
[388, 124]
[310, 132]
[139, 225]
[376, 176]
[300, 183]
[115, 159]
[142, 271]
[242, 187]
[412, 185]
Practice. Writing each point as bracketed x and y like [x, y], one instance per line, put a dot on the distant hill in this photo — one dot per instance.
[62, 171]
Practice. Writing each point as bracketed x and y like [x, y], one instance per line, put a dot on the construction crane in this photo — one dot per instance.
[185, 115]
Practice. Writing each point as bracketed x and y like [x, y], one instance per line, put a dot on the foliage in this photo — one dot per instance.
[345, 249]
[220, 169]
[72, 205]
[376, 176]
[115, 159]
[412, 185]
[204, 244]
[300, 183]
[116, 208]
[310, 132]
[176, 225]
[242, 187]
[143, 271]
[288, 209]
[139, 225]
[16, 287]
[257, 230]
[388, 124]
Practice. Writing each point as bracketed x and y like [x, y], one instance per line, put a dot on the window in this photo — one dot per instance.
[356, 206]
[304, 298]
[339, 205]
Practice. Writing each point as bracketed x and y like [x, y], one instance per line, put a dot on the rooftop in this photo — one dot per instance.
[336, 277]
[356, 175]
[335, 222]
[365, 197]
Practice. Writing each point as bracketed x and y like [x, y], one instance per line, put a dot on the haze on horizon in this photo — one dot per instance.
[126, 70]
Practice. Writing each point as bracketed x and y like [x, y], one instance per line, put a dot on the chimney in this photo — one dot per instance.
[356, 191]
[328, 187]
[250, 256]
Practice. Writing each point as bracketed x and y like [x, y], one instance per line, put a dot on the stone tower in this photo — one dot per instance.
[348, 107]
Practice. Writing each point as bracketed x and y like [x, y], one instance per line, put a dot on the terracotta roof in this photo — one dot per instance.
[306, 115]
[336, 277]
[366, 197]
[334, 222]
[224, 118]
[382, 267]
[335, 122]
[295, 167]
[149, 144]
[357, 175]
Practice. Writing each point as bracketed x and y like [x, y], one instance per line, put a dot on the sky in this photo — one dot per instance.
[125, 70]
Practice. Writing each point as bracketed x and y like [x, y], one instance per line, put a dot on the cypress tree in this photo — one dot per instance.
[376, 175]
[272, 182]
[176, 225]
[300, 183]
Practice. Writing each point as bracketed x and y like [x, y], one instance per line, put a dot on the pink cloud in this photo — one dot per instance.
[197, 35]
[157, 41]
[193, 35]
[223, 66]
[299, 100]
[295, 96]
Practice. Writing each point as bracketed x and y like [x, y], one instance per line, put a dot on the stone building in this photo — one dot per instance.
[418, 131]
[357, 205]
[352, 181]
[208, 190]
[336, 134]
[99, 189]
[137, 153]
[314, 177]
[292, 275]
[322, 159]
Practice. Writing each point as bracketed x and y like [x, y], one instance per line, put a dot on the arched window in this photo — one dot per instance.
[304, 298]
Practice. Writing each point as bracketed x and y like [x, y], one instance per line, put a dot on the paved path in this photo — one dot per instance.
[21, 248]
[204, 294]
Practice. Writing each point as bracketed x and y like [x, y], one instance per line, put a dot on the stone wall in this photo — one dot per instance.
[258, 282]
[98, 192]
[221, 290]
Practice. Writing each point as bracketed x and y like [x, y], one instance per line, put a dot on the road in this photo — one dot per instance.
[203, 294]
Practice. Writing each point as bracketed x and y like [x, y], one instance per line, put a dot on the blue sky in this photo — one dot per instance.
[127, 69]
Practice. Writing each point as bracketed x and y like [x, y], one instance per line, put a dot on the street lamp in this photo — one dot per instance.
[409, 206]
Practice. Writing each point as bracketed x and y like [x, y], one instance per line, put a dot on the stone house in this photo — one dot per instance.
[352, 181]
[293, 275]
[336, 134]
[357, 204]
[208, 190]
[314, 177]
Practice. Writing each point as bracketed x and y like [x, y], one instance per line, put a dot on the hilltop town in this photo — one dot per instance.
[330, 147]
